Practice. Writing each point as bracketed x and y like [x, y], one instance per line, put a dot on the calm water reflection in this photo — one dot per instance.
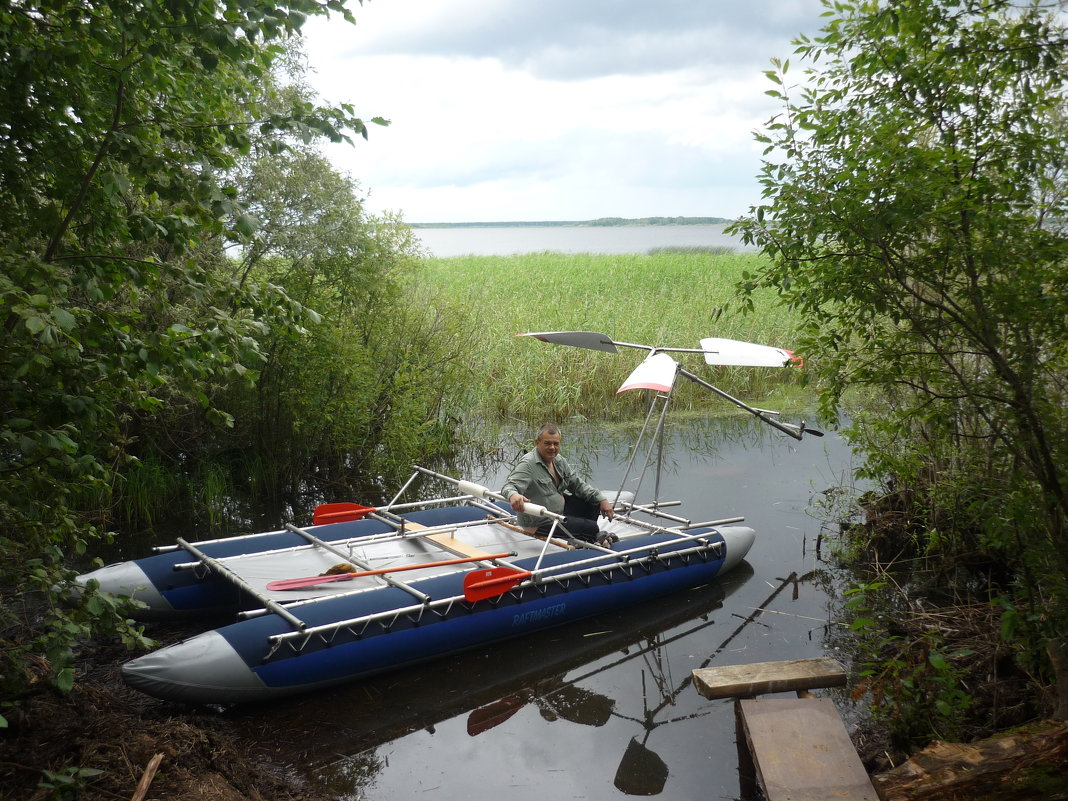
[603, 708]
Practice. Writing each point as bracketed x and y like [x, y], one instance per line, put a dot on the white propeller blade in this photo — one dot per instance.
[656, 372]
[578, 339]
[744, 354]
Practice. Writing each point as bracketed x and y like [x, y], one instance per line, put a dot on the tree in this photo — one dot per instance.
[119, 122]
[360, 394]
[914, 209]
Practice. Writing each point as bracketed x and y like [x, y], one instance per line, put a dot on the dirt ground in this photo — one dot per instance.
[103, 726]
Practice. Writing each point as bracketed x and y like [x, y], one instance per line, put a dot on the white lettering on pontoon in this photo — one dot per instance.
[538, 615]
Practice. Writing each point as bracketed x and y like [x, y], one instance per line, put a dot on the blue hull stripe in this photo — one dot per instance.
[465, 626]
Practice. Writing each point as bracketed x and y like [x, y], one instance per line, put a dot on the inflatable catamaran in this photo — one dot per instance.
[365, 590]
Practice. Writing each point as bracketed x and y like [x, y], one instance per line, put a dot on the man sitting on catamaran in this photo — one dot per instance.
[546, 478]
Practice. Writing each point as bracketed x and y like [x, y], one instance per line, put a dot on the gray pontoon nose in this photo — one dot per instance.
[127, 578]
[204, 669]
[739, 539]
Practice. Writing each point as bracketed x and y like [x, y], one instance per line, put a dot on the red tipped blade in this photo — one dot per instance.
[491, 582]
[339, 513]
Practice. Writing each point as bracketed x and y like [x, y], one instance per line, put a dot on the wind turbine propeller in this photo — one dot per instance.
[658, 371]
[731, 352]
[578, 339]
[717, 351]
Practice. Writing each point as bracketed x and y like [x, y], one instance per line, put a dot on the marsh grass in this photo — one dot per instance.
[155, 489]
[665, 298]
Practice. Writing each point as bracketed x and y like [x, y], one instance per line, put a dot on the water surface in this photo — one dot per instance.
[604, 708]
[511, 240]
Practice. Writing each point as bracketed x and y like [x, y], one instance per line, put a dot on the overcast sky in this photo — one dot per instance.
[508, 110]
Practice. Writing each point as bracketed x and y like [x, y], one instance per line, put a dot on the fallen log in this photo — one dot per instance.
[1027, 763]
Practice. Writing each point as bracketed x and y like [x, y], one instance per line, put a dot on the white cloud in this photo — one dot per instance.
[556, 110]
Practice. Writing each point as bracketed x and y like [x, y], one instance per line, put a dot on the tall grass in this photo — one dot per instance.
[664, 298]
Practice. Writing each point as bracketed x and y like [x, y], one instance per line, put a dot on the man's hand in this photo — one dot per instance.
[607, 510]
[517, 500]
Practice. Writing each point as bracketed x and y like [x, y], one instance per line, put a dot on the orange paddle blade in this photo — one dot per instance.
[339, 513]
[491, 582]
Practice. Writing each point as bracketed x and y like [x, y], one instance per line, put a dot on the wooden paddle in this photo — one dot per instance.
[558, 542]
[486, 717]
[311, 581]
[491, 582]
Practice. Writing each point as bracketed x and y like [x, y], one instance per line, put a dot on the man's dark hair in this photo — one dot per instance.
[547, 428]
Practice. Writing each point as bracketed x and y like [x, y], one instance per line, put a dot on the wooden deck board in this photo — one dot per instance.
[802, 752]
[448, 541]
[769, 677]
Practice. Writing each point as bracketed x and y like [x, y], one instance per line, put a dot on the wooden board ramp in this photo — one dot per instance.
[795, 749]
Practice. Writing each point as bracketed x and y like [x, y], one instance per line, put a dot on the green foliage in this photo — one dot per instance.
[361, 392]
[664, 298]
[68, 783]
[353, 397]
[914, 208]
[120, 124]
[916, 687]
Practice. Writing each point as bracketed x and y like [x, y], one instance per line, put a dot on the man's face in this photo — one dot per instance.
[548, 445]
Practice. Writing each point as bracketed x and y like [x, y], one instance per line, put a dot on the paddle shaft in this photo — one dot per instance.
[486, 494]
[518, 530]
[311, 581]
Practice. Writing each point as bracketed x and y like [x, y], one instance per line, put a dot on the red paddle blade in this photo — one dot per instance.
[486, 717]
[339, 513]
[494, 581]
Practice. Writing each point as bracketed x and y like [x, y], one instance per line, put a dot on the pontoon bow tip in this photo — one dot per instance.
[738, 539]
[204, 669]
[129, 580]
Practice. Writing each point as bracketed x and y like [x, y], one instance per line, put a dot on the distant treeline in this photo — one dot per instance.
[601, 222]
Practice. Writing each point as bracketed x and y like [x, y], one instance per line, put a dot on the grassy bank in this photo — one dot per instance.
[666, 298]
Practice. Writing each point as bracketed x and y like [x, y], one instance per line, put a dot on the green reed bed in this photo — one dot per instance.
[666, 298]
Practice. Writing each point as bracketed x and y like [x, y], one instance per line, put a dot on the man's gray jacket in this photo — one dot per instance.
[531, 478]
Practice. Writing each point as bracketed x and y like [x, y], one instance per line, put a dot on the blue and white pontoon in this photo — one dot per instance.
[367, 590]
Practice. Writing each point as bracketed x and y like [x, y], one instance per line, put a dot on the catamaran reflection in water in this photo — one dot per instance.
[471, 577]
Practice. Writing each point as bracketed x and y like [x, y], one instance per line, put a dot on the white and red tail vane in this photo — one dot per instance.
[657, 372]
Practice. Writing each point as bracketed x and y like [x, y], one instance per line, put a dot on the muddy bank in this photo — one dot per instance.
[104, 741]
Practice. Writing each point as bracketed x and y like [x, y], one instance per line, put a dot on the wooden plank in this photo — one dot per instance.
[448, 541]
[769, 677]
[802, 752]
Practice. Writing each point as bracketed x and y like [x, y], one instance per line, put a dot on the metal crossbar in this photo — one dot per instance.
[237, 581]
[422, 596]
[352, 542]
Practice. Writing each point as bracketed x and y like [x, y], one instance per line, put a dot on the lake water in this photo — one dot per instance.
[504, 241]
[604, 708]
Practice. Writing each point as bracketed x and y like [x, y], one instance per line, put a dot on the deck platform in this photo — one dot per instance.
[795, 749]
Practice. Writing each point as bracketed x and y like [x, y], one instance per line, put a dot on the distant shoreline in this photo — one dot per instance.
[602, 222]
